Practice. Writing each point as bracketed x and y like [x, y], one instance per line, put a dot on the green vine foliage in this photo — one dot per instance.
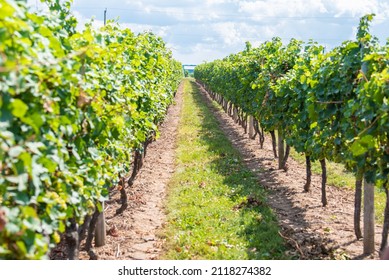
[73, 107]
[291, 91]
[331, 105]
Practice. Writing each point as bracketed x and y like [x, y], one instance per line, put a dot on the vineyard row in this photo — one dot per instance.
[327, 105]
[77, 110]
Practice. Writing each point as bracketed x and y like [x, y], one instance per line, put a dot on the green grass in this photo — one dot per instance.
[339, 177]
[216, 209]
[336, 174]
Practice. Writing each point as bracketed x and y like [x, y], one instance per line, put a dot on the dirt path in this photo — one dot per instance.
[133, 234]
[314, 231]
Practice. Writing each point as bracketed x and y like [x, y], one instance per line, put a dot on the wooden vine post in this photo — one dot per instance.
[251, 127]
[368, 196]
[235, 117]
[100, 231]
[358, 204]
[368, 218]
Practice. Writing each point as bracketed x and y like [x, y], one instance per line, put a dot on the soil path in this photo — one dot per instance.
[134, 234]
[315, 232]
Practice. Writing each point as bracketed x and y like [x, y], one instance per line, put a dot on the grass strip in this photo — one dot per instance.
[216, 208]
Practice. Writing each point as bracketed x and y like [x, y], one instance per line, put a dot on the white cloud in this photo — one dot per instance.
[218, 2]
[280, 8]
[311, 8]
[355, 8]
[228, 31]
[207, 29]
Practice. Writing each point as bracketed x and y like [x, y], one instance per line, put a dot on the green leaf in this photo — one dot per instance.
[313, 125]
[362, 145]
[27, 161]
[368, 141]
[49, 164]
[6, 10]
[19, 108]
[22, 247]
[61, 227]
[35, 121]
[303, 79]
[29, 211]
[312, 112]
[99, 206]
[22, 198]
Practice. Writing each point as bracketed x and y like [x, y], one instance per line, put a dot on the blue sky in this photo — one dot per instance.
[204, 30]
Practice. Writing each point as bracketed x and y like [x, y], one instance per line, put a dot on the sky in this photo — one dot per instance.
[205, 30]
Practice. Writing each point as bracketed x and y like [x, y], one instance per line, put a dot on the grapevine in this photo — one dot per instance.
[74, 108]
[328, 105]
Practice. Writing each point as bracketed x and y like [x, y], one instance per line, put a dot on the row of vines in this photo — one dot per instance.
[329, 105]
[76, 107]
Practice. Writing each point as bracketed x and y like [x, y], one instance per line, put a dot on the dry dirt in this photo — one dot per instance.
[133, 234]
